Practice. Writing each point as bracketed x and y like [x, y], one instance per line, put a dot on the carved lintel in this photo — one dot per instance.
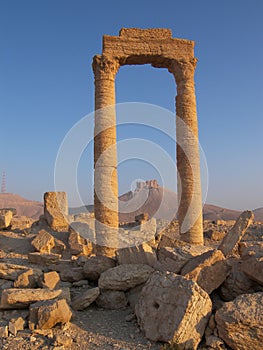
[105, 67]
[183, 70]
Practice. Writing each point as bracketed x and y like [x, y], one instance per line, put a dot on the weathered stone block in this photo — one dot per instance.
[112, 299]
[86, 298]
[56, 210]
[43, 242]
[142, 254]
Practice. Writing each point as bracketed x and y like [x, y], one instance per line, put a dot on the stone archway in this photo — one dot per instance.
[135, 47]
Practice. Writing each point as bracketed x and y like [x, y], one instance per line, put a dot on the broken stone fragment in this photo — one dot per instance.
[208, 270]
[72, 275]
[173, 309]
[11, 271]
[16, 324]
[49, 280]
[95, 265]
[124, 277]
[43, 259]
[28, 279]
[43, 242]
[77, 243]
[46, 314]
[112, 299]
[5, 218]
[56, 210]
[236, 233]
[253, 268]
[240, 322]
[142, 254]
[82, 301]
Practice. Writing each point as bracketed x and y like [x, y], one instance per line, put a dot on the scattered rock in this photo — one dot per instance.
[20, 222]
[86, 298]
[215, 235]
[209, 270]
[240, 322]
[78, 244]
[16, 324]
[142, 254]
[253, 268]
[11, 271]
[72, 275]
[112, 299]
[28, 279]
[62, 339]
[124, 277]
[56, 210]
[49, 280]
[46, 314]
[95, 265]
[43, 259]
[59, 247]
[236, 233]
[5, 218]
[21, 298]
[173, 309]
[3, 332]
[247, 249]
[43, 242]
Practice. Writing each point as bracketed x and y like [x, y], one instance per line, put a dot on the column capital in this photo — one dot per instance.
[105, 67]
[183, 70]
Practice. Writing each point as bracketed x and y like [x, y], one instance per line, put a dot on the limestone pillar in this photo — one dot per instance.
[105, 156]
[187, 153]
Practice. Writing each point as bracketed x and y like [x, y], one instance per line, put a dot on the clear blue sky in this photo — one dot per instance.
[46, 86]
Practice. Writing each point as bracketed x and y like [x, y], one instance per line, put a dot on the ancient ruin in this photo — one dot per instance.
[158, 48]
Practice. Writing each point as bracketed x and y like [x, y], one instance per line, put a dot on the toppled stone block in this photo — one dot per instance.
[208, 270]
[16, 324]
[142, 254]
[77, 244]
[124, 277]
[240, 322]
[237, 282]
[86, 298]
[43, 242]
[49, 280]
[56, 210]
[236, 233]
[73, 275]
[253, 268]
[174, 259]
[11, 271]
[28, 279]
[112, 299]
[21, 222]
[43, 259]
[5, 218]
[173, 309]
[95, 265]
[22, 298]
[46, 314]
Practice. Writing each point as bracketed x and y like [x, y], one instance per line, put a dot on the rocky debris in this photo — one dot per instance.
[124, 277]
[240, 322]
[95, 265]
[253, 268]
[87, 297]
[236, 232]
[112, 299]
[142, 254]
[77, 244]
[62, 340]
[43, 259]
[22, 298]
[46, 314]
[169, 236]
[28, 279]
[20, 222]
[209, 270]
[5, 218]
[16, 324]
[214, 342]
[247, 249]
[142, 217]
[3, 331]
[11, 271]
[237, 282]
[56, 210]
[43, 242]
[173, 259]
[173, 309]
[72, 275]
[59, 247]
[215, 235]
[49, 280]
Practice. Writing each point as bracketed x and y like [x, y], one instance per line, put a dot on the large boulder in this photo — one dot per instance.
[21, 298]
[46, 314]
[95, 265]
[240, 322]
[124, 277]
[138, 254]
[253, 268]
[209, 270]
[56, 210]
[83, 300]
[173, 309]
[43, 242]
[5, 218]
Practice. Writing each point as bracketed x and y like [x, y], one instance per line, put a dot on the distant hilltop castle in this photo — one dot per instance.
[146, 184]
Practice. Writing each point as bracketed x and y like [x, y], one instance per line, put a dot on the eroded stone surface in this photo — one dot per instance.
[83, 300]
[173, 309]
[56, 210]
[142, 254]
[43, 242]
[95, 265]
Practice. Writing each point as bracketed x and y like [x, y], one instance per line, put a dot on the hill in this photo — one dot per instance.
[31, 209]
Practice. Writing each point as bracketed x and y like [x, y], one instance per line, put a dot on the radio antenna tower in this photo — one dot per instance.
[3, 186]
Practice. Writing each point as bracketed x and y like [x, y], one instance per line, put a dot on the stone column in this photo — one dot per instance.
[187, 153]
[105, 156]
